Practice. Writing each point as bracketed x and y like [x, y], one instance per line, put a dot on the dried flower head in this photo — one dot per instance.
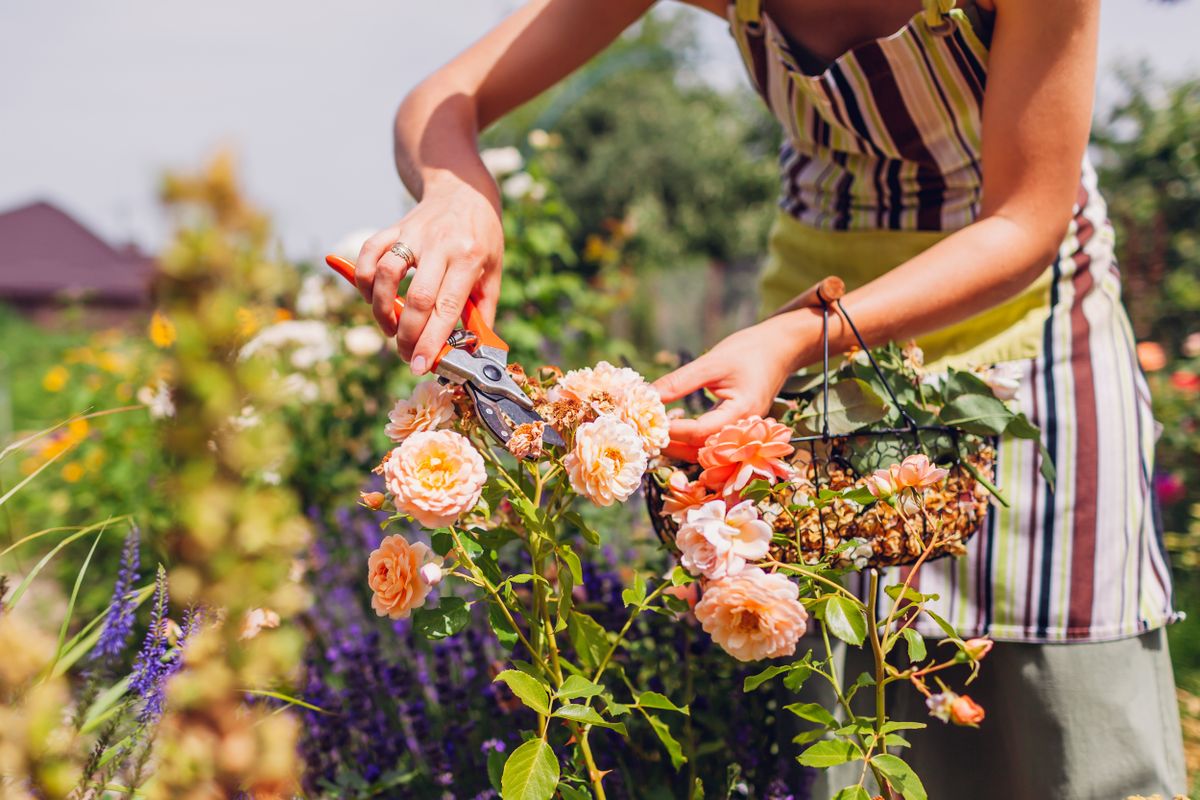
[526, 439]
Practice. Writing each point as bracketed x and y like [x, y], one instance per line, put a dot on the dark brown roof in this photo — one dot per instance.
[45, 254]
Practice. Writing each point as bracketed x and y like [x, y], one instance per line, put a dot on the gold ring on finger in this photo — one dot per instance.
[401, 250]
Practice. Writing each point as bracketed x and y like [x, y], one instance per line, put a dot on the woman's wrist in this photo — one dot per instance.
[794, 337]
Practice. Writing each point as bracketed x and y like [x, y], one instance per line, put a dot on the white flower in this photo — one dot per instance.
[310, 300]
[502, 161]
[607, 462]
[716, 543]
[522, 185]
[1004, 380]
[300, 388]
[363, 340]
[157, 399]
[311, 341]
[540, 139]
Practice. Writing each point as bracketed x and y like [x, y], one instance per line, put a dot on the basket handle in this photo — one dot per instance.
[828, 291]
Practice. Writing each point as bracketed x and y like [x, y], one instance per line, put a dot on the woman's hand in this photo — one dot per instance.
[457, 236]
[745, 370]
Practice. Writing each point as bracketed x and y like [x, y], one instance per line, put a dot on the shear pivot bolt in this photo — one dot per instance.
[492, 372]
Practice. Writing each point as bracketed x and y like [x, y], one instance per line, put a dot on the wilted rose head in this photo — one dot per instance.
[753, 615]
[526, 439]
[965, 711]
[622, 392]
[395, 575]
[435, 476]
[744, 450]
[430, 408]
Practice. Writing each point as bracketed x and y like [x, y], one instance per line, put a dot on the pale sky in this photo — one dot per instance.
[97, 99]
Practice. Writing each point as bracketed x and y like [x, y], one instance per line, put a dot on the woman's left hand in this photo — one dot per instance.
[745, 371]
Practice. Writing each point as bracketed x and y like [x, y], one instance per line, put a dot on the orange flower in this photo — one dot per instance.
[372, 500]
[965, 711]
[1151, 356]
[394, 573]
[743, 450]
[914, 472]
[753, 615]
[682, 495]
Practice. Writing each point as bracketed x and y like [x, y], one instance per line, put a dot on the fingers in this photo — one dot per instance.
[390, 271]
[457, 283]
[685, 380]
[367, 262]
[681, 452]
[693, 432]
[418, 307]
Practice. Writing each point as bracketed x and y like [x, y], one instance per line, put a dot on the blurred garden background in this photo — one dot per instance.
[213, 402]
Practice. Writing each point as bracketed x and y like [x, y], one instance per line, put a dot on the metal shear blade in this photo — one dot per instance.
[501, 415]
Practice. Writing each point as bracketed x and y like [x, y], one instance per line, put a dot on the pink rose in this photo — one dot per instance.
[715, 542]
[435, 476]
[753, 615]
[394, 573]
[683, 495]
[745, 450]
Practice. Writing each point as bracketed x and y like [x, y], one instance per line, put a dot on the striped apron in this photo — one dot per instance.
[881, 160]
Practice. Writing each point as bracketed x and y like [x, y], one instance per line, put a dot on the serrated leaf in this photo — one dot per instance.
[531, 772]
[853, 404]
[754, 681]
[830, 753]
[578, 686]
[659, 701]
[813, 712]
[900, 776]
[447, 618]
[529, 689]
[674, 750]
[941, 623]
[577, 712]
[845, 620]
[916, 645]
[809, 736]
[896, 590]
[900, 725]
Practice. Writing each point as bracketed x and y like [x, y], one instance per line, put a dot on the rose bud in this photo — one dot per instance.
[372, 500]
[965, 711]
[978, 648]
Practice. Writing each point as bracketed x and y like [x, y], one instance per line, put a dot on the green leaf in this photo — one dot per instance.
[845, 620]
[441, 541]
[960, 382]
[529, 689]
[799, 674]
[505, 633]
[447, 618]
[568, 555]
[577, 712]
[754, 681]
[636, 594]
[912, 595]
[578, 686]
[852, 793]
[531, 772]
[941, 623]
[976, 413]
[900, 776]
[659, 701]
[916, 645]
[830, 753]
[569, 792]
[900, 725]
[674, 750]
[495, 768]
[813, 712]
[853, 404]
[588, 638]
[589, 535]
[809, 736]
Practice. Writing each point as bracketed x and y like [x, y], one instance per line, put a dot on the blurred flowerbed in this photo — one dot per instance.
[251, 659]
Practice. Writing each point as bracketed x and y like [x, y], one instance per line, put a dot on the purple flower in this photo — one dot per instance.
[157, 661]
[118, 623]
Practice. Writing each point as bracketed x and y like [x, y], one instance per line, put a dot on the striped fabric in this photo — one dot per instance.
[887, 137]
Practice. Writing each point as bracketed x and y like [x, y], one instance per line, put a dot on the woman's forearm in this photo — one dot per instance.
[970, 271]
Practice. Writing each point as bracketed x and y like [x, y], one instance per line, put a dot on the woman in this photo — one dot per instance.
[933, 159]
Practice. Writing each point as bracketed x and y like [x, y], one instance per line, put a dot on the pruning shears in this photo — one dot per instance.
[475, 357]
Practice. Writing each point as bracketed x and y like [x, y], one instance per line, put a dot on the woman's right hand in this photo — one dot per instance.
[457, 236]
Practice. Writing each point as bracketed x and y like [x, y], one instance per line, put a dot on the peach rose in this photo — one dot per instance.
[978, 648]
[620, 391]
[965, 711]
[914, 472]
[715, 542]
[372, 500]
[395, 575]
[607, 462]
[753, 615]
[430, 408]
[682, 495]
[434, 476]
[743, 450]
[257, 620]
[1151, 356]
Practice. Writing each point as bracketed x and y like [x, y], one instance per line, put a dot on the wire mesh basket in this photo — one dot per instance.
[845, 530]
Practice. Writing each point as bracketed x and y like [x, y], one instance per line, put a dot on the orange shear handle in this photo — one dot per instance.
[472, 317]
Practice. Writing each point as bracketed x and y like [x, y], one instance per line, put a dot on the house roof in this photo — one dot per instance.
[45, 254]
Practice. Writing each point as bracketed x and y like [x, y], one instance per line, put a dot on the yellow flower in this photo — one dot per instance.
[55, 379]
[112, 362]
[247, 322]
[72, 472]
[162, 330]
[77, 429]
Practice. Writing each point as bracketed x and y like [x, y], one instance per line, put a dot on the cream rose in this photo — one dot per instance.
[620, 391]
[430, 408]
[396, 575]
[607, 461]
[753, 615]
[716, 543]
[434, 476]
